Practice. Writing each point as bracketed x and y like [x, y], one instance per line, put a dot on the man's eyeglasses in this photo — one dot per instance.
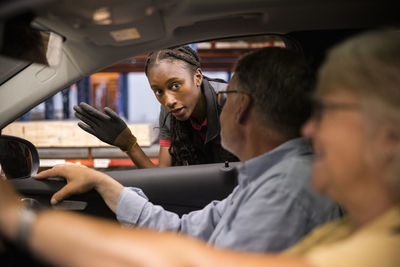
[320, 108]
[221, 96]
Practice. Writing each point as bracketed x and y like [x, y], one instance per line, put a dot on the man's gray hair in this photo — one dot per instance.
[280, 84]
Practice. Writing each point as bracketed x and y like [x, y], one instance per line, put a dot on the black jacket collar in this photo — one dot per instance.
[213, 126]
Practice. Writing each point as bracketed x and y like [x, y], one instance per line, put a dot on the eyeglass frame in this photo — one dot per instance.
[319, 108]
[221, 100]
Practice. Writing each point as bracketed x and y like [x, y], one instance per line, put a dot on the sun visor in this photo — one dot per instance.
[127, 34]
[20, 40]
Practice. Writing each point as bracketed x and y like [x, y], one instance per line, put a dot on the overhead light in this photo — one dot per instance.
[102, 16]
[149, 11]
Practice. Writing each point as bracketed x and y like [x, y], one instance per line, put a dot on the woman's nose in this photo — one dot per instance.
[170, 100]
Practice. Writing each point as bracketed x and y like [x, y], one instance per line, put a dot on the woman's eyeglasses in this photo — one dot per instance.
[320, 108]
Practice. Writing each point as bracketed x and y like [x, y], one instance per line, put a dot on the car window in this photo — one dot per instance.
[123, 87]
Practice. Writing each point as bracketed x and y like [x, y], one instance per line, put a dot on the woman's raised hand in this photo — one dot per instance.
[107, 126]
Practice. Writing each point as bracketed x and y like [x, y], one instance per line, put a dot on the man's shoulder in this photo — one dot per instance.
[299, 165]
[291, 178]
[290, 174]
[291, 159]
[296, 164]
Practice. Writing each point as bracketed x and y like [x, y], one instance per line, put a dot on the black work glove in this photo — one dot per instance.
[107, 126]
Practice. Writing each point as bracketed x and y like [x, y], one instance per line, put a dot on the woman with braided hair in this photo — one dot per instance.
[189, 116]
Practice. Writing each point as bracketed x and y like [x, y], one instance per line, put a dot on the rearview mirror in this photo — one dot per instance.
[18, 157]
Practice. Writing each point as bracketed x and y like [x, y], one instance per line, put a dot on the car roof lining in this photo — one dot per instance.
[315, 44]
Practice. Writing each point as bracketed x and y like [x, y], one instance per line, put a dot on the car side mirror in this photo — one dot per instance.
[18, 157]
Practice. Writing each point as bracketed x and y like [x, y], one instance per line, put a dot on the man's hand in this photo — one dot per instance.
[107, 126]
[81, 179]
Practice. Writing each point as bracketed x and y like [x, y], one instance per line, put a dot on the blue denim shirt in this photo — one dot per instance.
[271, 208]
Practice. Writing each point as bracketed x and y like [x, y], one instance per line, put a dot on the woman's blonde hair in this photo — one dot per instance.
[368, 66]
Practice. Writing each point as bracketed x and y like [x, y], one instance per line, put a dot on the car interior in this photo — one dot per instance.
[121, 29]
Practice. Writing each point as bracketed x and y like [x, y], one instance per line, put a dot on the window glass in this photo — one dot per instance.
[52, 126]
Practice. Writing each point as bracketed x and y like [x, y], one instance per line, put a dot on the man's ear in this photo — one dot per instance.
[198, 77]
[244, 107]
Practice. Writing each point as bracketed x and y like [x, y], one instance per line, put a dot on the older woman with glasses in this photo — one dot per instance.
[356, 137]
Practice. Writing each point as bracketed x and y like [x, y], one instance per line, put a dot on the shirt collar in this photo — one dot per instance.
[253, 168]
[198, 126]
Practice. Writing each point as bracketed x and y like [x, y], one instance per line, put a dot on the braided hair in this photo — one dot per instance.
[182, 150]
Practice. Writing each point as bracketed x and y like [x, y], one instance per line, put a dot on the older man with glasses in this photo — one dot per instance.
[273, 205]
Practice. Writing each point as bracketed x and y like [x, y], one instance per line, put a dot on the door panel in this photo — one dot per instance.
[177, 189]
